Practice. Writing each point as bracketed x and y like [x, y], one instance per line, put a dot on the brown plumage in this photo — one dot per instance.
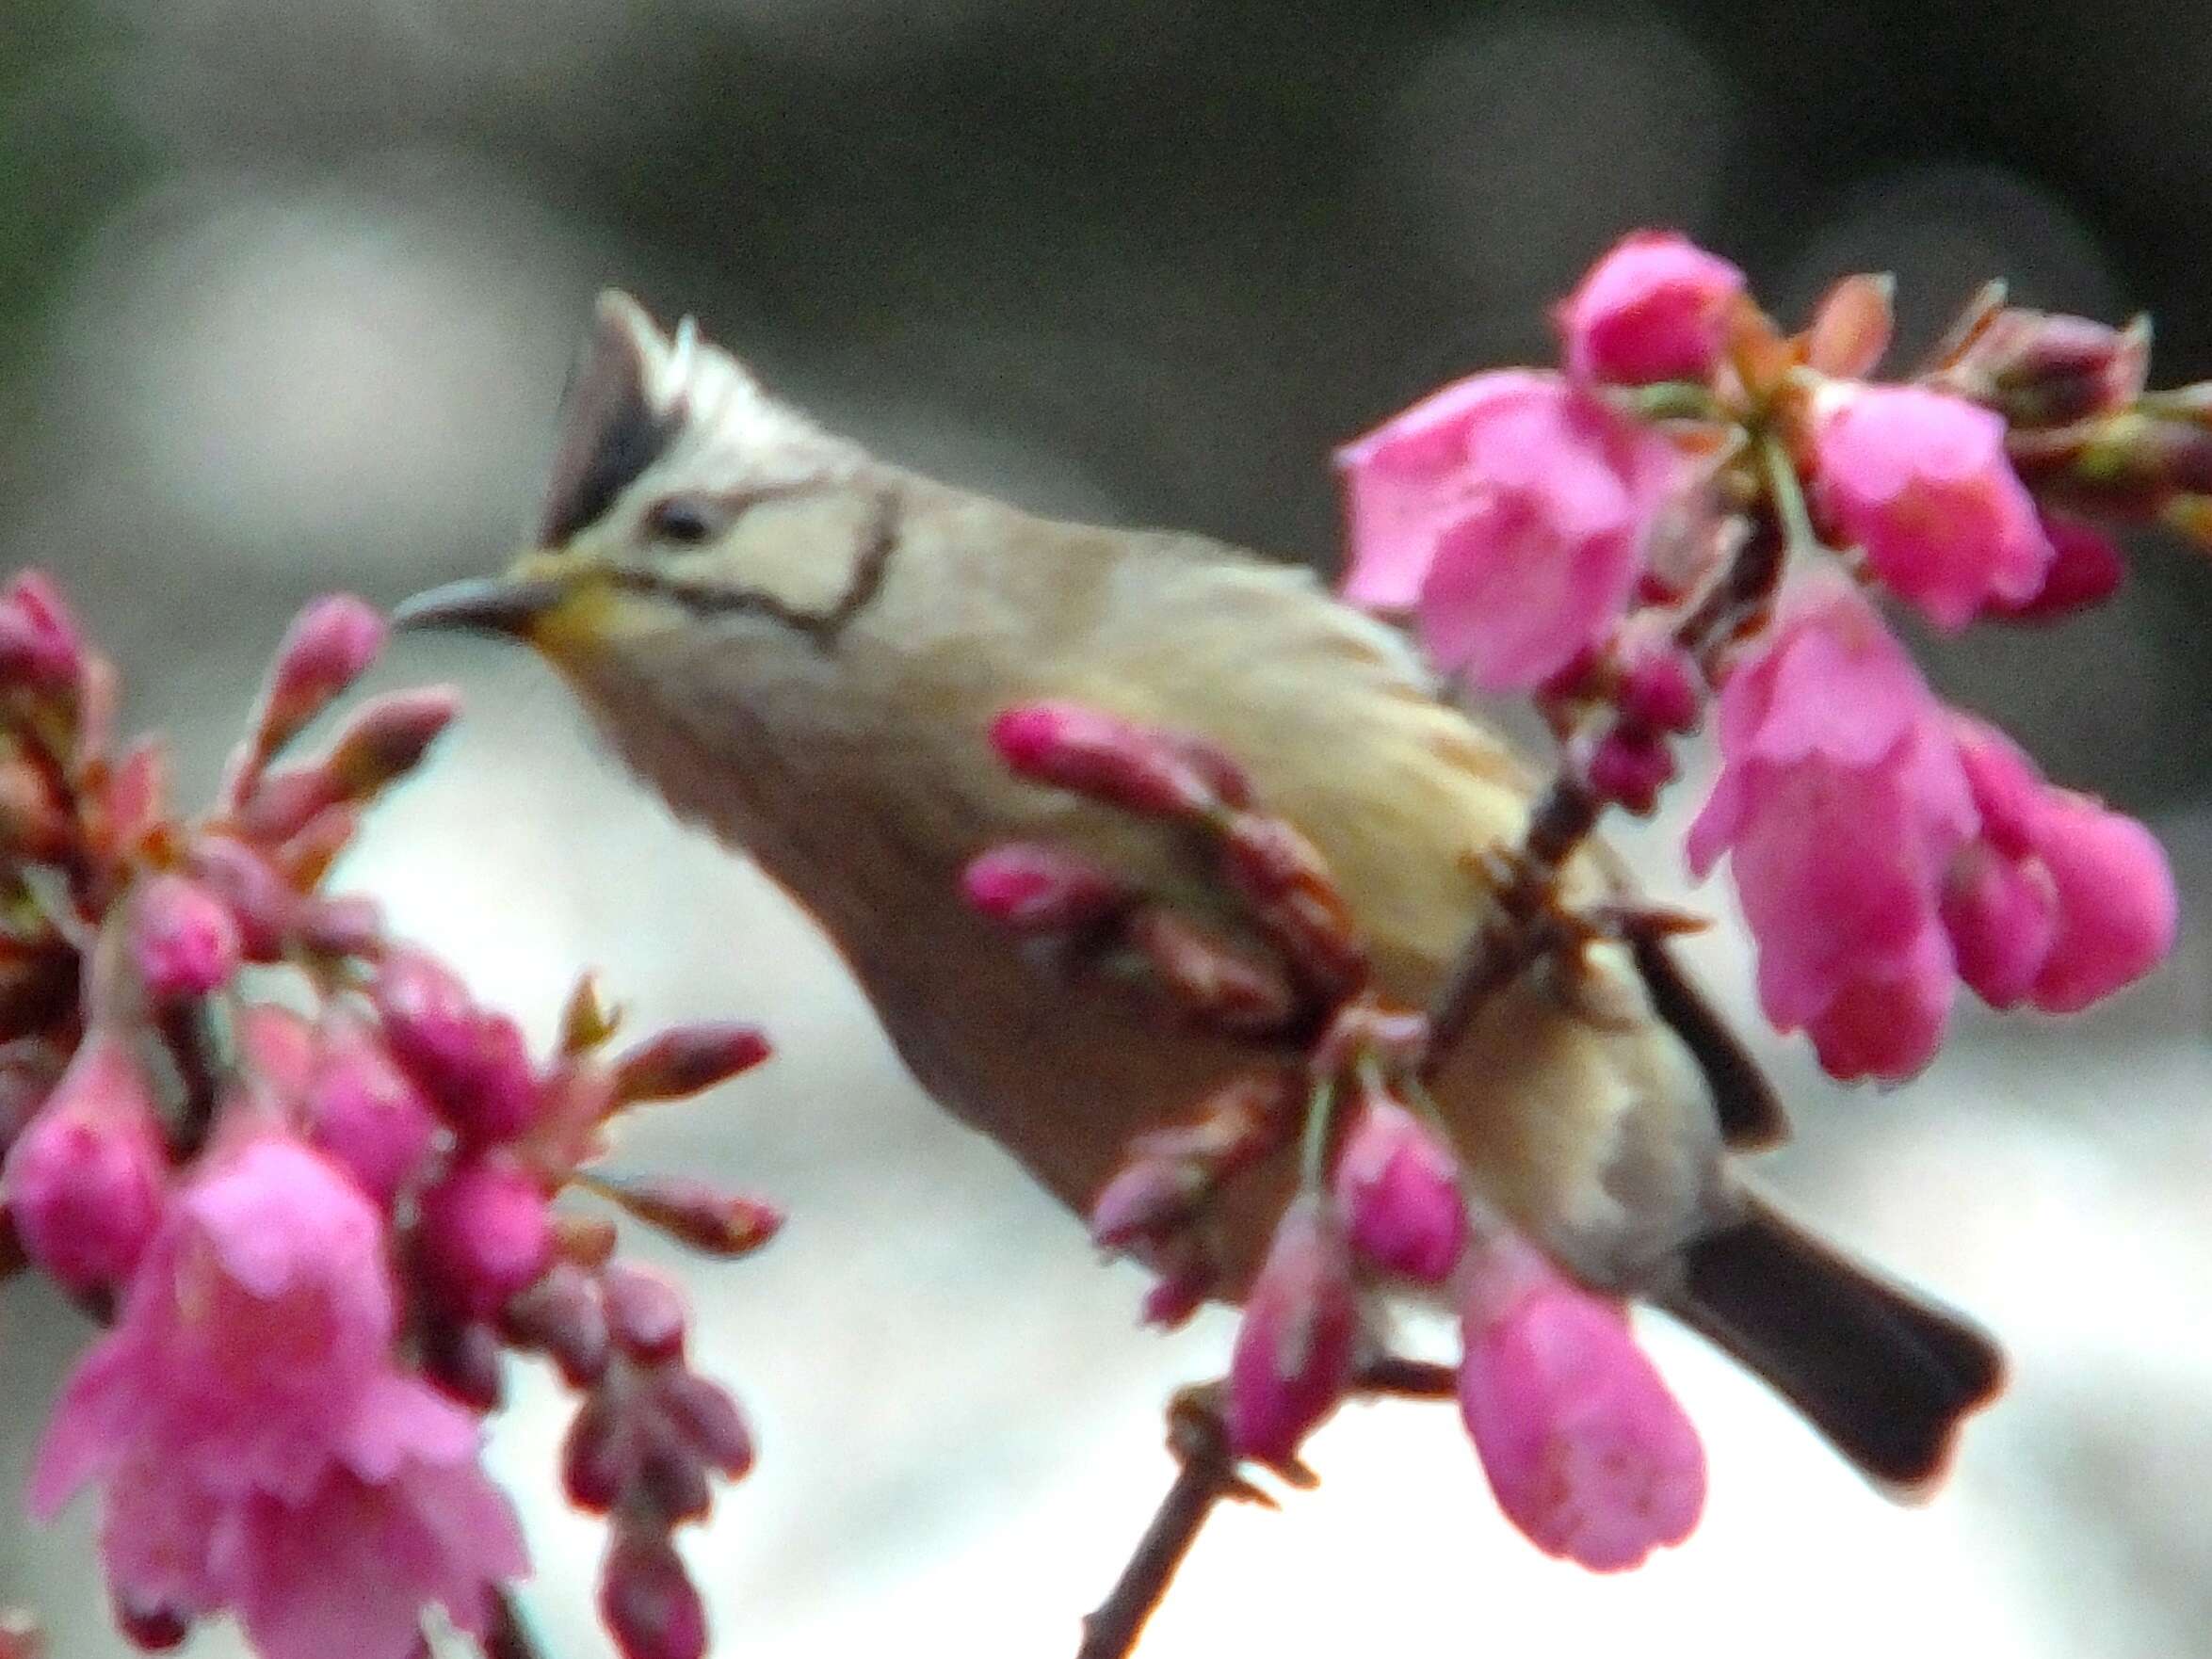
[801, 648]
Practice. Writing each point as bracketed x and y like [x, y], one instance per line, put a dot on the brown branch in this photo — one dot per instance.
[1525, 926]
[1208, 1476]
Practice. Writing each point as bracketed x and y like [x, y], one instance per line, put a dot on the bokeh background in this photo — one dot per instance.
[287, 292]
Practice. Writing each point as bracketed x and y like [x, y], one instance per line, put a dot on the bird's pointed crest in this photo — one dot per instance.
[640, 397]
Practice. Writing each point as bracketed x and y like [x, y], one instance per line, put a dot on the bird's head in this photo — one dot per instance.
[684, 503]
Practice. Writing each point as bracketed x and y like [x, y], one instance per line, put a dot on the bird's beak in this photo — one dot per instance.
[508, 605]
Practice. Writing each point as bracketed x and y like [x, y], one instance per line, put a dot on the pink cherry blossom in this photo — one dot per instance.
[264, 1310]
[257, 1448]
[2086, 570]
[42, 647]
[1294, 1352]
[1920, 481]
[1655, 308]
[1398, 1188]
[396, 1517]
[1587, 1451]
[1514, 510]
[1884, 848]
[1840, 801]
[84, 1182]
[2111, 910]
[350, 1569]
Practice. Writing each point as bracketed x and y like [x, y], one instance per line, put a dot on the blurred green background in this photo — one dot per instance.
[287, 292]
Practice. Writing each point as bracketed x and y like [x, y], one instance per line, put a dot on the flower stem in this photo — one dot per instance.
[1313, 1149]
[1666, 400]
[1787, 496]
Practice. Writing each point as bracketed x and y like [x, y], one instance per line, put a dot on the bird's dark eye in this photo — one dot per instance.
[686, 519]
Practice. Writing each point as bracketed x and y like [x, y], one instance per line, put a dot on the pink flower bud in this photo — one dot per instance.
[250, 889]
[671, 1480]
[1146, 1199]
[279, 1045]
[1220, 770]
[2045, 369]
[462, 1358]
[644, 1314]
[134, 805]
[708, 1419]
[1630, 766]
[84, 1181]
[484, 1236]
[1074, 747]
[473, 1062]
[36, 825]
[561, 1317]
[1850, 330]
[1281, 876]
[151, 1627]
[1040, 889]
[1399, 1189]
[2002, 916]
[390, 735]
[647, 1600]
[19, 1638]
[42, 647]
[1655, 308]
[1214, 986]
[2118, 909]
[349, 924]
[2086, 570]
[1588, 1452]
[282, 803]
[688, 1060]
[329, 646]
[1295, 1348]
[184, 941]
[698, 1213]
[1179, 1293]
[1660, 686]
[1920, 481]
[364, 1113]
[1516, 511]
[599, 1455]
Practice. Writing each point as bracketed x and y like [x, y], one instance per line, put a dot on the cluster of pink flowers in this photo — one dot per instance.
[1588, 1452]
[308, 1179]
[1612, 539]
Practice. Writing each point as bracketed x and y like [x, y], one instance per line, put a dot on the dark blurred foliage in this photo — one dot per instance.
[1191, 247]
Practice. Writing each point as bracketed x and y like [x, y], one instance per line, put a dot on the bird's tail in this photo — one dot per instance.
[1887, 1377]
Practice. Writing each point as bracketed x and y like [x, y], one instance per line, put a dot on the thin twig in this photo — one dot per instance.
[510, 1637]
[1208, 1477]
[1520, 928]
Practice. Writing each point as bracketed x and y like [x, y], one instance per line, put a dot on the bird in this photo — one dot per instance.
[801, 648]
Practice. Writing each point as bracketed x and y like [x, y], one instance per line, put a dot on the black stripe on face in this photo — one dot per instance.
[823, 627]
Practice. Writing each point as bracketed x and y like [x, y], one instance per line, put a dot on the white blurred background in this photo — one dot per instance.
[290, 288]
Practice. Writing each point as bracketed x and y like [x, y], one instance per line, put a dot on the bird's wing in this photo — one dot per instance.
[1347, 734]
